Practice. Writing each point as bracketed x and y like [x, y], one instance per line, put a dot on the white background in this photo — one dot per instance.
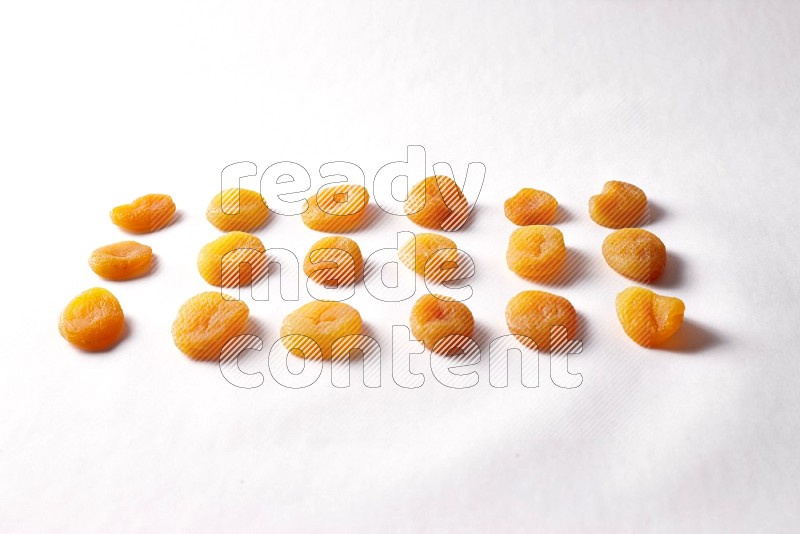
[696, 102]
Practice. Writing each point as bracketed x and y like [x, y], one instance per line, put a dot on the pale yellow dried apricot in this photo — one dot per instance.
[220, 262]
[635, 253]
[434, 317]
[431, 255]
[122, 261]
[93, 321]
[322, 322]
[531, 206]
[338, 208]
[619, 205]
[536, 252]
[531, 316]
[647, 317]
[334, 261]
[238, 209]
[206, 322]
[437, 202]
[145, 214]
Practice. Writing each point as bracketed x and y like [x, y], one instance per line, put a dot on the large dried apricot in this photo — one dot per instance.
[338, 208]
[206, 322]
[647, 317]
[531, 316]
[324, 323]
[431, 255]
[531, 206]
[536, 252]
[434, 317]
[619, 205]
[145, 214]
[237, 209]
[122, 261]
[635, 253]
[437, 202]
[93, 320]
[219, 261]
[334, 261]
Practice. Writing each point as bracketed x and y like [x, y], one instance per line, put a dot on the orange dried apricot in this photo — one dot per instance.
[338, 208]
[334, 261]
[437, 202]
[531, 206]
[206, 322]
[93, 321]
[635, 253]
[619, 205]
[536, 252]
[121, 261]
[324, 322]
[145, 214]
[533, 314]
[434, 317]
[238, 209]
[430, 255]
[219, 261]
[647, 317]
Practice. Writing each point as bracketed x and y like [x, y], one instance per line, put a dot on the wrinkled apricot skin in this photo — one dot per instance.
[619, 205]
[219, 262]
[434, 317]
[334, 261]
[647, 317]
[338, 208]
[238, 209]
[93, 321]
[437, 202]
[431, 255]
[206, 322]
[323, 322]
[122, 261]
[536, 252]
[530, 316]
[531, 206]
[636, 254]
[145, 214]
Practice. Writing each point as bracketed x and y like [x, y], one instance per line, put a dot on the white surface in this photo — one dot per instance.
[697, 102]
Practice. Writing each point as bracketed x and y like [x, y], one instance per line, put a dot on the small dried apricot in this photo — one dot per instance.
[219, 261]
[437, 202]
[635, 253]
[531, 316]
[647, 317]
[145, 214]
[531, 206]
[323, 322]
[334, 261]
[237, 209]
[434, 317]
[430, 255]
[619, 205]
[121, 261]
[536, 252]
[206, 322]
[338, 208]
[93, 320]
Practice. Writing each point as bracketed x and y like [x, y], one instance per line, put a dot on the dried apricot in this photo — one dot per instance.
[647, 317]
[338, 208]
[219, 261]
[145, 214]
[324, 323]
[334, 261]
[531, 206]
[536, 252]
[93, 320]
[531, 316]
[430, 255]
[437, 202]
[238, 209]
[122, 261]
[619, 205]
[206, 322]
[635, 253]
[434, 317]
